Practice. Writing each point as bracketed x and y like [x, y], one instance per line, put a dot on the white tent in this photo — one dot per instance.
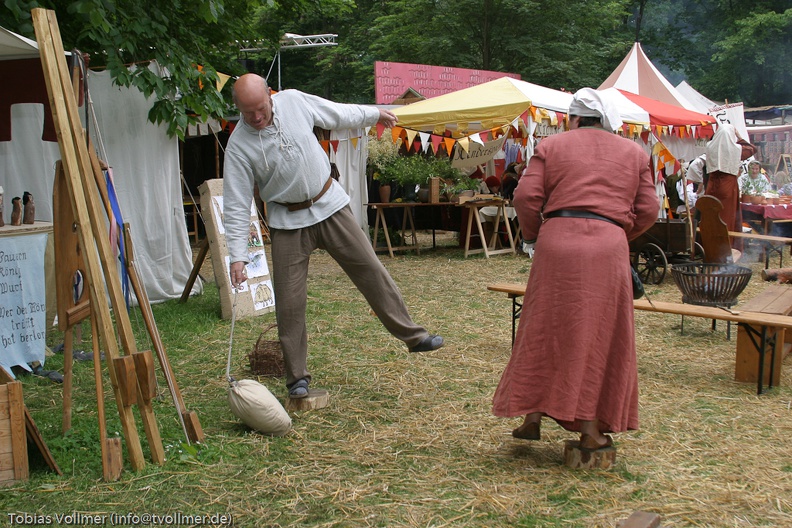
[636, 74]
[145, 166]
[701, 103]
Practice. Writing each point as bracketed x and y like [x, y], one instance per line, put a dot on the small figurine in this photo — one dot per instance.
[29, 216]
[16, 211]
[2, 221]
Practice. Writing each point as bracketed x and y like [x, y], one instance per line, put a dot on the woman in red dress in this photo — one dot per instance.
[583, 195]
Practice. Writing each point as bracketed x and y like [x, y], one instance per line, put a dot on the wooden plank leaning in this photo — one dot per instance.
[91, 224]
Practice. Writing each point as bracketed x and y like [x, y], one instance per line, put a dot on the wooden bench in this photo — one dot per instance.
[777, 300]
[515, 292]
[764, 330]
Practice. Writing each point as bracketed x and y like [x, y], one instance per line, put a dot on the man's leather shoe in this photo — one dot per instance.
[432, 342]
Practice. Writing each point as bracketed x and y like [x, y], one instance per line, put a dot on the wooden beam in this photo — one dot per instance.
[92, 233]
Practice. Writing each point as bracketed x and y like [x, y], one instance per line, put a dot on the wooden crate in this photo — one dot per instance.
[13, 438]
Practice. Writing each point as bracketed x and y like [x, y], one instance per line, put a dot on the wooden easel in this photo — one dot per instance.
[131, 374]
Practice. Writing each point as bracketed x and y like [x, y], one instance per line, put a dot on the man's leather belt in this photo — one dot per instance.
[308, 203]
[574, 213]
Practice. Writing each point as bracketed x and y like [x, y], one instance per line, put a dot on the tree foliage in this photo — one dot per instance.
[727, 49]
[179, 35]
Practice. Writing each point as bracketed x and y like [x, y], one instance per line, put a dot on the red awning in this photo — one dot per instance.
[664, 114]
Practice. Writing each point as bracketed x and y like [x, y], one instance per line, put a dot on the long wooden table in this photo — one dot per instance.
[756, 324]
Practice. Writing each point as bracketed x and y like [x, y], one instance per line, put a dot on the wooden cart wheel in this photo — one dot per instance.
[651, 263]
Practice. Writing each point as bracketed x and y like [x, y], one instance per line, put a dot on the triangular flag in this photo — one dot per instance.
[449, 144]
[464, 143]
[476, 138]
[410, 137]
[334, 144]
[424, 140]
[380, 130]
[222, 79]
[396, 133]
[354, 141]
[325, 145]
[436, 140]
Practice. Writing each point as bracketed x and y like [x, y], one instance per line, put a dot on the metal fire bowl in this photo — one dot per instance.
[710, 284]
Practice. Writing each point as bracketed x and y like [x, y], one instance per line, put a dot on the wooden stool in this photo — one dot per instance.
[316, 399]
[577, 458]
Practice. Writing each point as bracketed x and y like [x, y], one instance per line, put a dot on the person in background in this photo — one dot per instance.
[509, 180]
[493, 185]
[784, 184]
[274, 146]
[584, 195]
[697, 173]
[725, 152]
[754, 182]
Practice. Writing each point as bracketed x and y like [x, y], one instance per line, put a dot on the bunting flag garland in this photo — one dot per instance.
[354, 141]
[464, 143]
[476, 138]
[380, 130]
[449, 144]
[334, 144]
[325, 145]
[396, 133]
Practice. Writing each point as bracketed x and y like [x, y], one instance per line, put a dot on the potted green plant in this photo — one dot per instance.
[381, 153]
[408, 172]
[461, 184]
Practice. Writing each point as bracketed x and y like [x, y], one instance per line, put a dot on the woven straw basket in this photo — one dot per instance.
[266, 358]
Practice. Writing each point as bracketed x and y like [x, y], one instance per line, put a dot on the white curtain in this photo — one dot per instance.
[351, 162]
[145, 164]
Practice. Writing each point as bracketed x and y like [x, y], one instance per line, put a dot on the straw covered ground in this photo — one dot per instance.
[409, 439]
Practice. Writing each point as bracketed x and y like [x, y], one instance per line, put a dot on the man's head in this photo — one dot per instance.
[252, 97]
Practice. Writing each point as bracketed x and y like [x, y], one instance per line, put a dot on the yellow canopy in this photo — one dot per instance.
[498, 103]
[487, 105]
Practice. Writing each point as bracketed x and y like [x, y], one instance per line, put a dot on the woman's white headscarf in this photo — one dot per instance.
[588, 102]
[723, 152]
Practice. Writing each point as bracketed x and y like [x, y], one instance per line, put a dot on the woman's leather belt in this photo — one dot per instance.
[574, 213]
[308, 203]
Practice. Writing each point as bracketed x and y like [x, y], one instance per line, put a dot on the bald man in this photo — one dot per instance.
[274, 146]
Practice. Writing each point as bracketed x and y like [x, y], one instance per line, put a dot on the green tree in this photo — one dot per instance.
[728, 50]
[179, 35]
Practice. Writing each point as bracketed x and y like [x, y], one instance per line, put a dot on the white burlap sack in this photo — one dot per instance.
[254, 404]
